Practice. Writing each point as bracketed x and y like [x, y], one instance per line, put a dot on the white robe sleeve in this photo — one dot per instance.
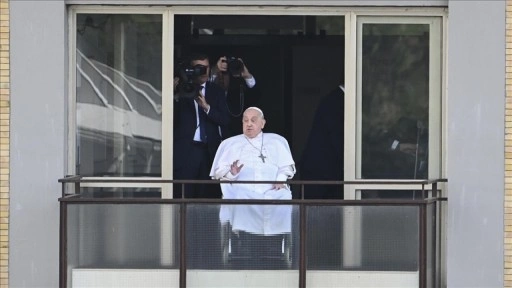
[250, 82]
[222, 163]
[226, 176]
[286, 164]
[286, 172]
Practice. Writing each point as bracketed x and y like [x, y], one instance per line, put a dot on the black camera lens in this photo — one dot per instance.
[187, 87]
[235, 66]
[195, 71]
[199, 70]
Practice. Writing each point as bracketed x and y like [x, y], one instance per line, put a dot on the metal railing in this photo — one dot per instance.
[429, 254]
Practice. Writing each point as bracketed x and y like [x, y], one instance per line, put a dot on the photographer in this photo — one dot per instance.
[199, 110]
[232, 75]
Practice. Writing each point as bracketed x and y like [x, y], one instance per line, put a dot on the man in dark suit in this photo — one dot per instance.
[233, 76]
[196, 131]
[322, 158]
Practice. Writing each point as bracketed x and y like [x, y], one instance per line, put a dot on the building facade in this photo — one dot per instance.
[472, 140]
[4, 148]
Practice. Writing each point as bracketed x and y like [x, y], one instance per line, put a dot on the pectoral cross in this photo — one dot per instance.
[262, 157]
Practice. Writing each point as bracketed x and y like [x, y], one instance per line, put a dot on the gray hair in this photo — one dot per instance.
[257, 109]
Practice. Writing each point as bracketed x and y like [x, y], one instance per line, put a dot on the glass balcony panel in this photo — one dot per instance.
[393, 194]
[226, 248]
[227, 245]
[363, 246]
[122, 242]
[430, 243]
[120, 192]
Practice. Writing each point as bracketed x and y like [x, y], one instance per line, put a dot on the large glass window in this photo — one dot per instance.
[395, 75]
[118, 94]
[391, 67]
[399, 71]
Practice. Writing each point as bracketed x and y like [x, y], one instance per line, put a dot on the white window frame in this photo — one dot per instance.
[353, 96]
[352, 130]
[72, 24]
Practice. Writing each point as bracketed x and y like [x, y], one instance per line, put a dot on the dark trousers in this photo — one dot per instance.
[197, 167]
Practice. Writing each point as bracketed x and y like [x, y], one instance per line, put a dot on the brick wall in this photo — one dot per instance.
[508, 152]
[4, 143]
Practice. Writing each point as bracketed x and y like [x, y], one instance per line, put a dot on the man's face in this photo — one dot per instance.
[252, 123]
[203, 78]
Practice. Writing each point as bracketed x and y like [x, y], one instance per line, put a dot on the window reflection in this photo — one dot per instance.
[118, 95]
[395, 101]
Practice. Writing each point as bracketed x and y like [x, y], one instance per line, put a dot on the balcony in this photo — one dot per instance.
[133, 237]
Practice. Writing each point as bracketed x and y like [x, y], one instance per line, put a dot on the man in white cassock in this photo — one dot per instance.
[255, 156]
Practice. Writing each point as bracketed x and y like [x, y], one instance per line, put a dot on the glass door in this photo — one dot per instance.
[398, 109]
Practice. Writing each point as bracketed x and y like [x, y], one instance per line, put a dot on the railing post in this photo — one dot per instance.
[63, 247]
[302, 246]
[434, 252]
[438, 232]
[183, 245]
[422, 247]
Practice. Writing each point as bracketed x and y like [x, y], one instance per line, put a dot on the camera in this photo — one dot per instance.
[235, 66]
[187, 87]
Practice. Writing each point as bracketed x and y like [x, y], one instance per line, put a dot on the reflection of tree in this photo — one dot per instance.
[119, 68]
[98, 36]
[333, 25]
[394, 81]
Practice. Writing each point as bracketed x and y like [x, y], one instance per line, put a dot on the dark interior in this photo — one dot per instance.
[296, 60]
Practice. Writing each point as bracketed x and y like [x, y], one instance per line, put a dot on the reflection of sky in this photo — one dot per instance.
[110, 101]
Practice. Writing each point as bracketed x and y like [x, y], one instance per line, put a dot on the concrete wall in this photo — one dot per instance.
[435, 3]
[475, 108]
[38, 101]
[508, 153]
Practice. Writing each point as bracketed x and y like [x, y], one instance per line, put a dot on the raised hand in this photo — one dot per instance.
[222, 64]
[245, 72]
[235, 169]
